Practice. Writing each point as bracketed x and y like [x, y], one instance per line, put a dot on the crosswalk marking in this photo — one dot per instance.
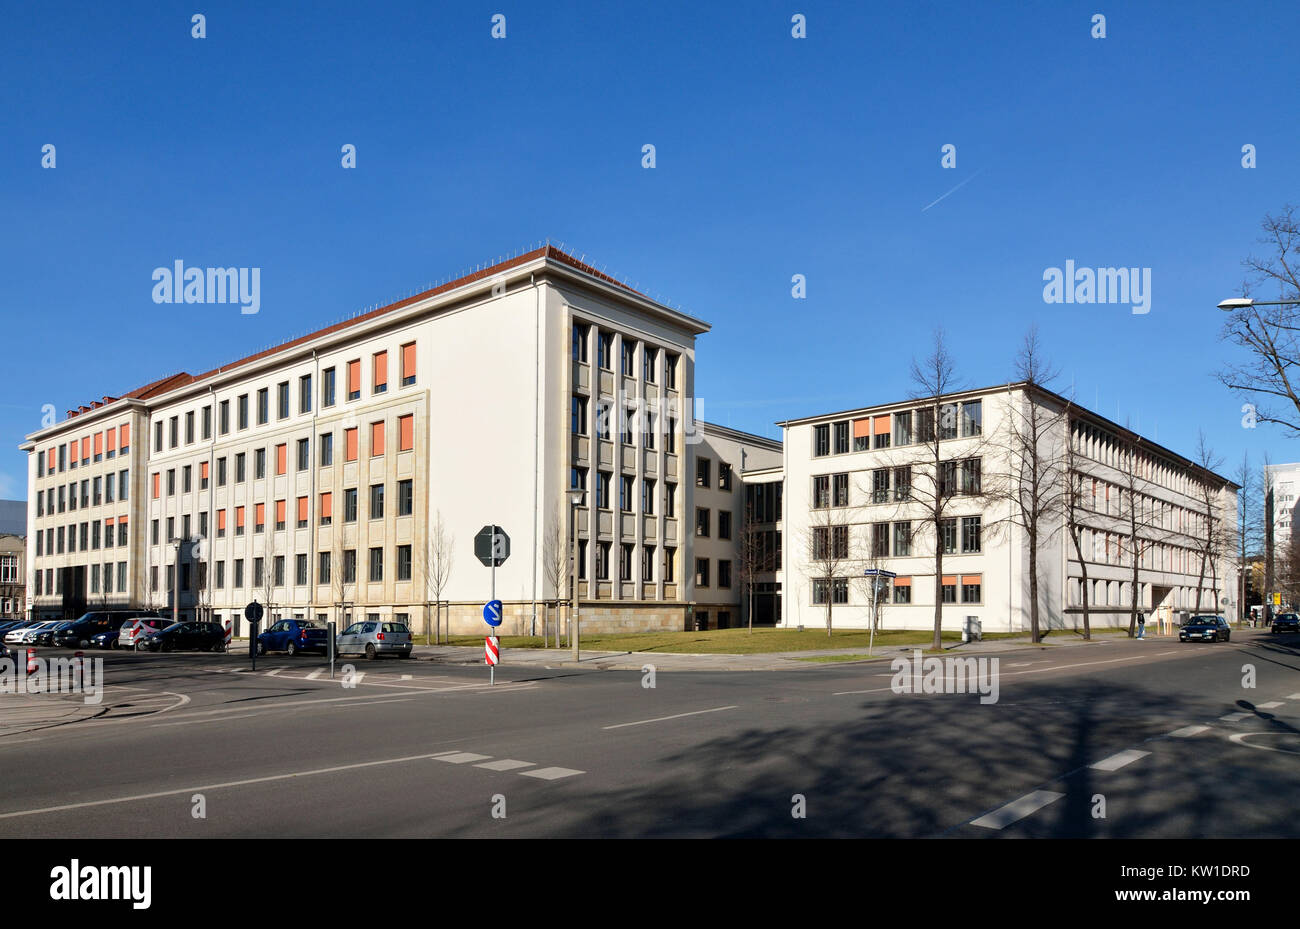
[1119, 760]
[1272, 705]
[1188, 731]
[463, 757]
[505, 764]
[1234, 717]
[1017, 809]
[315, 674]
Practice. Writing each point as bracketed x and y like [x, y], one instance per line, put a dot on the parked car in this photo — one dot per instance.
[79, 633]
[1205, 629]
[15, 632]
[207, 637]
[26, 635]
[1286, 622]
[136, 628]
[293, 636]
[374, 638]
[46, 636]
[106, 639]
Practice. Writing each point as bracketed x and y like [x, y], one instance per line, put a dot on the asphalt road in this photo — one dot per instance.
[1163, 734]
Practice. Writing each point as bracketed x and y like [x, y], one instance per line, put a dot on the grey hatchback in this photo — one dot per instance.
[374, 638]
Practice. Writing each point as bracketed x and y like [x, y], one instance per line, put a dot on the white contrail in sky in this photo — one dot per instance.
[955, 189]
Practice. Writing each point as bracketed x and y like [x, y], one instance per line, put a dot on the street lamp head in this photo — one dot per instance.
[1236, 303]
[575, 497]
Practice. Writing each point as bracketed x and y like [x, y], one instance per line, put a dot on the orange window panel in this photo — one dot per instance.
[54, 459]
[85, 448]
[902, 582]
[408, 361]
[109, 521]
[861, 428]
[203, 470]
[406, 433]
[111, 442]
[99, 443]
[381, 369]
[302, 509]
[72, 451]
[881, 424]
[279, 512]
[156, 478]
[221, 520]
[354, 376]
[971, 578]
[281, 457]
[377, 438]
[239, 517]
[949, 580]
[350, 444]
[121, 520]
[260, 514]
[126, 435]
[326, 504]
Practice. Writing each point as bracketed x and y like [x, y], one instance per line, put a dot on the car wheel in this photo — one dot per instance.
[261, 648]
[291, 649]
[84, 643]
[371, 654]
[219, 647]
[164, 647]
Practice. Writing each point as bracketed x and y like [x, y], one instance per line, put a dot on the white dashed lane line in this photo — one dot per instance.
[1188, 731]
[1272, 705]
[1017, 810]
[551, 774]
[660, 719]
[1119, 760]
[1234, 717]
[504, 764]
[462, 757]
[507, 764]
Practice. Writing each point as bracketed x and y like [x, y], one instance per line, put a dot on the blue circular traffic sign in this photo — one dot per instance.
[492, 612]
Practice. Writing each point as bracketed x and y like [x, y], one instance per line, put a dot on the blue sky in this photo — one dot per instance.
[775, 157]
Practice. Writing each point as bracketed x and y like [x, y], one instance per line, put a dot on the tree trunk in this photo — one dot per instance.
[938, 587]
[1034, 635]
[1083, 570]
[1133, 610]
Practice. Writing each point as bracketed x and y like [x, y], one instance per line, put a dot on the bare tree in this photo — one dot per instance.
[1034, 483]
[1247, 529]
[756, 557]
[1074, 510]
[1270, 334]
[1137, 513]
[557, 563]
[1267, 488]
[341, 589]
[1211, 536]
[438, 560]
[935, 485]
[830, 565]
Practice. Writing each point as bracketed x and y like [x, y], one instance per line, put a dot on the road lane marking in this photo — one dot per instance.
[1272, 705]
[504, 764]
[660, 719]
[1294, 697]
[551, 774]
[136, 798]
[215, 719]
[463, 757]
[1233, 717]
[1119, 760]
[315, 674]
[1064, 667]
[1017, 809]
[1188, 731]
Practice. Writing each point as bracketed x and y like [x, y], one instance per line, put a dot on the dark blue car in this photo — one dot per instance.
[293, 636]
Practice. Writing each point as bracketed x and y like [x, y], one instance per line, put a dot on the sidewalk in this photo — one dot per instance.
[552, 658]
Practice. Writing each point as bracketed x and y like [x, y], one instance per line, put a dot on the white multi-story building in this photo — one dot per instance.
[859, 483]
[308, 476]
[1284, 481]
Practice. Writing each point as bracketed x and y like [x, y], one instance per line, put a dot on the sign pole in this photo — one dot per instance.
[492, 680]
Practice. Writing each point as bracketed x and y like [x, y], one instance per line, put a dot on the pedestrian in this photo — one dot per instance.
[1142, 625]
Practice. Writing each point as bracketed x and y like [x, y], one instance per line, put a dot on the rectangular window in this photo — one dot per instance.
[408, 364]
[972, 418]
[278, 573]
[670, 370]
[902, 539]
[259, 464]
[821, 491]
[948, 536]
[304, 394]
[970, 534]
[724, 524]
[323, 568]
[605, 351]
[724, 476]
[379, 367]
[173, 432]
[239, 573]
[903, 483]
[880, 540]
[203, 475]
[239, 520]
[302, 512]
[376, 565]
[259, 517]
[971, 587]
[326, 449]
[629, 357]
[647, 564]
[350, 444]
[602, 489]
[625, 492]
[602, 561]
[327, 387]
[405, 433]
[841, 437]
[282, 458]
[354, 379]
[840, 489]
[647, 496]
[263, 406]
[702, 470]
[282, 400]
[626, 552]
[300, 570]
[821, 440]
[649, 360]
[223, 417]
[948, 590]
[350, 505]
[326, 508]
[670, 565]
[376, 501]
[970, 476]
[701, 572]
[724, 574]
[578, 415]
[405, 497]
[350, 566]
[403, 562]
[948, 421]
[376, 439]
[304, 455]
[241, 471]
[702, 521]
[580, 332]
[670, 500]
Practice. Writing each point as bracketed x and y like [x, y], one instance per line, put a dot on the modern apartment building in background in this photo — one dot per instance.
[858, 485]
[307, 476]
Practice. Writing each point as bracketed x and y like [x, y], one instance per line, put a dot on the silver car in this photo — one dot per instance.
[373, 638]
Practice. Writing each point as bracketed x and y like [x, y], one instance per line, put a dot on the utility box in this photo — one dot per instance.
[971, 630]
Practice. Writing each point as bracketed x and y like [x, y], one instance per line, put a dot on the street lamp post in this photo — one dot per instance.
[575, 498]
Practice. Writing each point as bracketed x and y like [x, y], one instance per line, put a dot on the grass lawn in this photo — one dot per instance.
[734, 641]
